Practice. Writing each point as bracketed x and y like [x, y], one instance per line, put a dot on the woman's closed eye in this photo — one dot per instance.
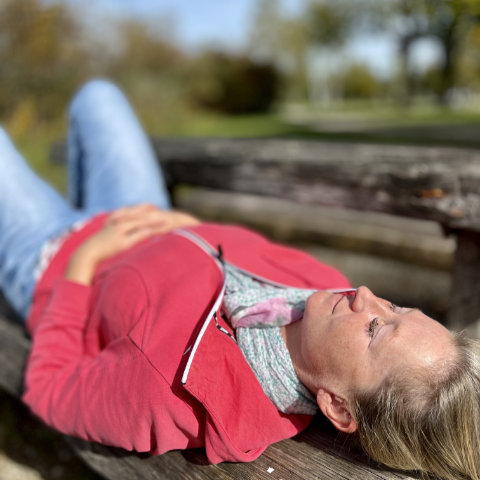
[372, 327]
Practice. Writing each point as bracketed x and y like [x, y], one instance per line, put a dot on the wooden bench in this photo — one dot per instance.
[440, 184]
[430, 183]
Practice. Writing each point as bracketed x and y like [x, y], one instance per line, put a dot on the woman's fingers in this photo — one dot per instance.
[137, 235]
[134, 211]
[126, 227]
[134, 237]
[131, 225]
[150, 216]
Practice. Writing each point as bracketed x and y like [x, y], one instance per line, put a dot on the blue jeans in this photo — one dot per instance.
[110, 164]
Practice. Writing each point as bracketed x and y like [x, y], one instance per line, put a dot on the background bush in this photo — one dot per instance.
[232, 84]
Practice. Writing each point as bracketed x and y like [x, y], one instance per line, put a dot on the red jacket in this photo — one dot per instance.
[107, 360]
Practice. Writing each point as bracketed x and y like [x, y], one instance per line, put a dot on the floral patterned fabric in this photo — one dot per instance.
[257, 311]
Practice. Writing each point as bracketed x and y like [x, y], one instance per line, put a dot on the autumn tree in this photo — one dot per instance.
[143, 50]
[40, 57]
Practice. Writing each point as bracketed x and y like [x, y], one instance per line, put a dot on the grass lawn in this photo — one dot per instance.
[418, 111]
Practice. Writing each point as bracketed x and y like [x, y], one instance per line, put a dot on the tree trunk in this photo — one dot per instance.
[449, 42]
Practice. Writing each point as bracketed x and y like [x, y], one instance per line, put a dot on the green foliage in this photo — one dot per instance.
[329, 23]
[359, 82]
[232, 84]
[144, 52]
[469, 62]
[283, 41]
[448, 21]
[429, 81]
[46, 53]
[39, 58]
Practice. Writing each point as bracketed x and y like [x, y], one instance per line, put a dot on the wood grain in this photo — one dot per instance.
[464, 311]
[434, 183]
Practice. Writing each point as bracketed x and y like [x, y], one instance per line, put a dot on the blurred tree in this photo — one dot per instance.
[330, 23]
[265, 35]
[407, 21]
[324, 27]
[411, 21]
[41, 59]
[280, 40]
[450, 22]
[295, 54]
[329, 26]
[232, 84]
[151, 69]
[289, 41]
[143, 51]
[359, 82]
[428, 82]
[469, 62]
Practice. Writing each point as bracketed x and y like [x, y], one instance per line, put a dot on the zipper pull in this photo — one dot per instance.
[223, 330]
[220, 254]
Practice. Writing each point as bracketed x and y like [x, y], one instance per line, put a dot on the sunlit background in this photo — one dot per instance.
[390, 71]
[245, 68]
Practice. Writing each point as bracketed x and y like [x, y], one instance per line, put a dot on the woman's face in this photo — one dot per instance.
[353, 342]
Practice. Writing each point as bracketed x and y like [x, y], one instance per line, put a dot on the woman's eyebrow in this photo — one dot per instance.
[404, 310]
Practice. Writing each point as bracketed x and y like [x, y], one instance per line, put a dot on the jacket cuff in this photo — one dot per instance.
[69, 300]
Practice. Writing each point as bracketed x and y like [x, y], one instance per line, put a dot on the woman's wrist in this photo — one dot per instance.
[123, 229]
[184, 219]
[81, 267]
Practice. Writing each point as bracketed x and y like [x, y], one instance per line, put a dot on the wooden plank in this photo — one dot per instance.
[434, 183]
[464, 311]
[14, 347]
[314, 454]
[414, 241]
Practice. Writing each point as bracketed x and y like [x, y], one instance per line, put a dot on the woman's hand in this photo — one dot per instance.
[124, 228]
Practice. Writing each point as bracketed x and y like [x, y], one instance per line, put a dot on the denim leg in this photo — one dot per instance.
[30, 213]
[111, 162]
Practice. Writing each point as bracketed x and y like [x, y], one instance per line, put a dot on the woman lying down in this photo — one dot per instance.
[153, 331]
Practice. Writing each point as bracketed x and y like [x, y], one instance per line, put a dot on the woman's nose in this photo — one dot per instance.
[364, 298]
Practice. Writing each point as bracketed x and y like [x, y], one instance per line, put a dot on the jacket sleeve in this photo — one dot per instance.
[105, 398]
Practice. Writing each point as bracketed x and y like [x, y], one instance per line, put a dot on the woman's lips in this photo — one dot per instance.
[338, 297]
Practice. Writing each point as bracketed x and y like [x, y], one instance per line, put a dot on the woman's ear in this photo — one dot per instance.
[336, 409]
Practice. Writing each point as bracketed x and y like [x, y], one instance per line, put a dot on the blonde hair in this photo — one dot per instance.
[427, 421]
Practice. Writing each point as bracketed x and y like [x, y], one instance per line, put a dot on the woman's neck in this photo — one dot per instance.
[291, 334]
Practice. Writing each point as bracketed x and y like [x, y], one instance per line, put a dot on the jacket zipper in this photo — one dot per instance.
[217, 257]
